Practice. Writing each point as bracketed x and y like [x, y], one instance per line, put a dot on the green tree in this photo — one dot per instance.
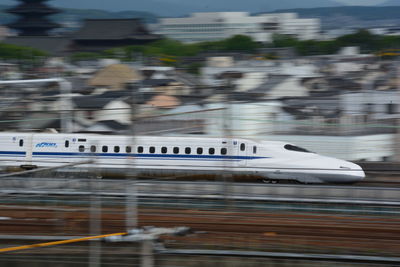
[212, 46]
[172, 48]
[84, 56]
[390, 42]
[367, 41]
[313, 47]
[281, 40]
[9, 51]
[240, 43]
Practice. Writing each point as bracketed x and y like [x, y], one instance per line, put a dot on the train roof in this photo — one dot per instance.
[124, 137]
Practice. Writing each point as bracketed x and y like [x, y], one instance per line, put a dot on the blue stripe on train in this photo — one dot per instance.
[13, 153]
[144, 156]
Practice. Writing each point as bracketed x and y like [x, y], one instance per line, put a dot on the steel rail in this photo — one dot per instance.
[207, 190]
[206, 197]
[157, 183]
[298, 256]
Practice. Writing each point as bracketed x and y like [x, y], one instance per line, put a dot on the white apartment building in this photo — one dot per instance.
[290, 24]
[215, 26]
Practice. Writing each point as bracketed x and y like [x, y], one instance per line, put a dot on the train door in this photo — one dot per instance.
[29, 149]
[242, 148]
[24, 148]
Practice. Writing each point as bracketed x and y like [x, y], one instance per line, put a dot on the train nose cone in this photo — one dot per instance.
[351, 171]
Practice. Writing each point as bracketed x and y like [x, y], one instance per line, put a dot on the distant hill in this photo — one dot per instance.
[391, 3]
[70, 14]
[358, 12]
[184, 7]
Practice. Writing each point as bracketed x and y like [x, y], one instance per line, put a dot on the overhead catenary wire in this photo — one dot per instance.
[257, 104]
[286, 122]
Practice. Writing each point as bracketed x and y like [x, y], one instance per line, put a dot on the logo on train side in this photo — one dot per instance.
[45, 144]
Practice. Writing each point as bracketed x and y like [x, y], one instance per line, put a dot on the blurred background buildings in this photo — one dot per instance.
[294, 82]
[314, 73]
[201, 27]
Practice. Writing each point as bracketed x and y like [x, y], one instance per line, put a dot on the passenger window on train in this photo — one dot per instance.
[105, 149]
[242, 147]
[81, 148]
[66, 143]
[116, 149]
[164, 150]
[199, 150]
[128, 149]
[93, 149]
[140, 149]
[152, 150]
[176, 150]
[188, 150]
[223, 151]
[254, 149]
[21, 142]
[211, 151]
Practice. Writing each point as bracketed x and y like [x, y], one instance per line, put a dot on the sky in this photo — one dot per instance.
[360, 2]
[80, 2]
[180, 7]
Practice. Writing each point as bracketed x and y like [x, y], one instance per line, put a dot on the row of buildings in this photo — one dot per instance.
[344, 106]
[34, 21]
[200, 27]
[35, 27]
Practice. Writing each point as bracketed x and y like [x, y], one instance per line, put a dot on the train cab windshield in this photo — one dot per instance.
[296, 148]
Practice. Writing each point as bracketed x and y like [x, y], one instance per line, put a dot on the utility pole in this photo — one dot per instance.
[66, 109]
[95, 212]
[131, 210]
[396, 110]
[95, 221]
[131, 205]
[228, 77]
[147, 254]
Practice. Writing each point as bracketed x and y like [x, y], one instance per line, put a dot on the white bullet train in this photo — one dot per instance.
[175, 156]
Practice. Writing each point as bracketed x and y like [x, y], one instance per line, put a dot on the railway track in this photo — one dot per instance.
[61, 207]
[38, 185]
[282, 231]
[380, 183]
[377, 175]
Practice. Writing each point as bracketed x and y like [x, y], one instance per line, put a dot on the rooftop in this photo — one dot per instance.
[113, 29]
